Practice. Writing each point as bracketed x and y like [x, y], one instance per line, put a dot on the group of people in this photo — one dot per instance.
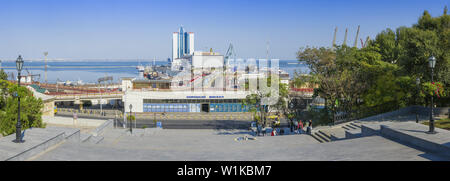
[298, 126]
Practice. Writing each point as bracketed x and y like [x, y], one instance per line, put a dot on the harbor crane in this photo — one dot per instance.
[33, 75]
[334, 37]
[364, 44]
[345, 37]
[355, 44]
[356, 39]
[230, 52]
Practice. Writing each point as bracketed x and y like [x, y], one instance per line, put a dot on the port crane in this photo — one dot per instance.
[230, 53]
[32, 75]
[364, 44]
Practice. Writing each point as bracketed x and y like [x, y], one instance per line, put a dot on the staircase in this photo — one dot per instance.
[335, 133]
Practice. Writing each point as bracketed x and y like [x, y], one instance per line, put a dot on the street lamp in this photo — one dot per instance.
[417, 95]
[432, 64]
[19, 66]
[131, 127]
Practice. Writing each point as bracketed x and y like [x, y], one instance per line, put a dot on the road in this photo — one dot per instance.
[191, 124]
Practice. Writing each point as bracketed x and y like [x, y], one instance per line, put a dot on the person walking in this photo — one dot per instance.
[258, 130]
[75, 118]
[309, 128]
[300, 127]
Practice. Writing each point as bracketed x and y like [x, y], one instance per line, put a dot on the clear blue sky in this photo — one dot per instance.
[129, 29]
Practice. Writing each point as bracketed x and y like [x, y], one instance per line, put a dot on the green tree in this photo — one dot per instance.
[261, 108]
[3, 75]
[31, 108]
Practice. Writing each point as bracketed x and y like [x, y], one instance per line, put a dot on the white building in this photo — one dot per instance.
[185, 101]
[182, 44]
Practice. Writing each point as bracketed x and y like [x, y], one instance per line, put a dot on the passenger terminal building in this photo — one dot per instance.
[168, 101]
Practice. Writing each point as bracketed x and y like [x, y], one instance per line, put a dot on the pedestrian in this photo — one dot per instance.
[300, 127]
[309, 128]
[75, 118]
[258, 130]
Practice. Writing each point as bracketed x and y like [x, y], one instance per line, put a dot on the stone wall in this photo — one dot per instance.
[423, 111]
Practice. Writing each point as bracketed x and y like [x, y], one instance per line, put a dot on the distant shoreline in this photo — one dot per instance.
[98, 60]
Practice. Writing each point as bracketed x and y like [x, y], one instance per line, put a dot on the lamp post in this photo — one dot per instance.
[19, 65]
[432, 64]
[131, 126]
[417, 95]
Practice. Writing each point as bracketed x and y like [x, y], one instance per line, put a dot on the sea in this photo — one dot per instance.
[91, 71]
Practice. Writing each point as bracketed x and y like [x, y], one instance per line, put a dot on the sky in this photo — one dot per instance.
[142, 29]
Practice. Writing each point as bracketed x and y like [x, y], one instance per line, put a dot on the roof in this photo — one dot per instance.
[38, 88]
[127, 78]
[153, 81]
[37, 94]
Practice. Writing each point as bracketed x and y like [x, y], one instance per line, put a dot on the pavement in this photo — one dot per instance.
[85, 125]
[157, 144]
[35, 141]
[214, 144]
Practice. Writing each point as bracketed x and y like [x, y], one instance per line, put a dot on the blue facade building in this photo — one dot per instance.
[182, 43]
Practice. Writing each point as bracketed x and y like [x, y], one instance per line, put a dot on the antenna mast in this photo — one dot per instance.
[45, 54]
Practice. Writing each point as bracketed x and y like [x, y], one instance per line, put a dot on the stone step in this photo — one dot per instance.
[356, 125]
[317, 138]
[96, 139]
[84, 137]
[370, 129]
[350, 127]
[325, 134]
[338, 134]
[346, 128]
[323, 137]
[350, 134]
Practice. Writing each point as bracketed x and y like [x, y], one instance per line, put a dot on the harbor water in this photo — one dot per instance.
[90, 71]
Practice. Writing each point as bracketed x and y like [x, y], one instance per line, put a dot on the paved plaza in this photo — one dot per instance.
[396, 138]
[222, 145]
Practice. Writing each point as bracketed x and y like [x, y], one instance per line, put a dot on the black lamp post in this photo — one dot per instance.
[19, 65]
[417, 95]
[432, 64]
[131, 118]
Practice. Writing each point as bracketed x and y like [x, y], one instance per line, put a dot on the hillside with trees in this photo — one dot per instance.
[381, 76]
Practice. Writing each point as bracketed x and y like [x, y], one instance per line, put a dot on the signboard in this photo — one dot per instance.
[158, 124]
[203, 97]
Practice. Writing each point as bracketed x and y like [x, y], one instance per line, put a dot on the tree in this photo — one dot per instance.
[387, 45]
[31, 108]
[3, 75]
[258, 99]
[341, 74]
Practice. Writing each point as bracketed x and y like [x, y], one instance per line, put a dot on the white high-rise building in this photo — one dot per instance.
[175, 45]
[182, 44]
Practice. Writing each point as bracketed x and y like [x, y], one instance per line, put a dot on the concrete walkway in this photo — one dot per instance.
[221, 145]
[85, 125]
